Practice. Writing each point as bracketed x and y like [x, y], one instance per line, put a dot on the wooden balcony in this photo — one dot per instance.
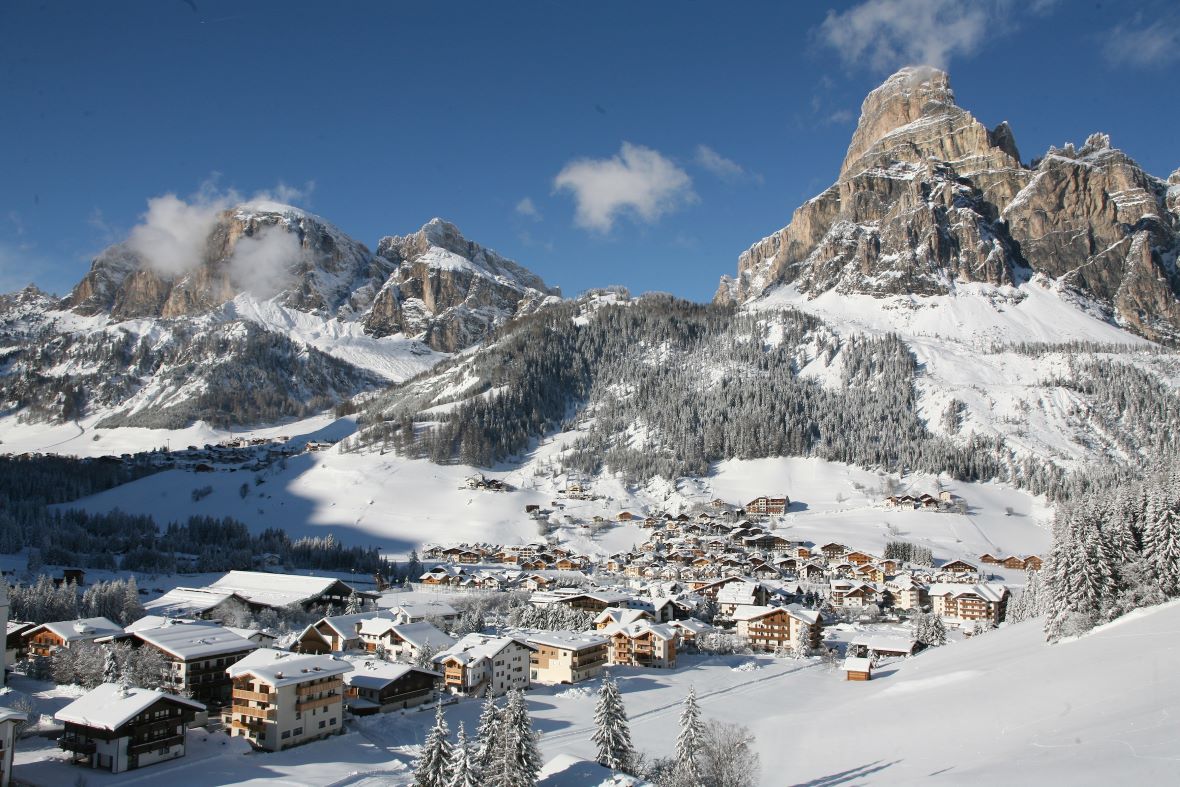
[140, 748]
[76, 745]
[267, 714]
[257, 696]
[315, 688]
[321, 702]
[253, 727]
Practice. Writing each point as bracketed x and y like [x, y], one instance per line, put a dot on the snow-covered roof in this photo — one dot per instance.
[8, 714]
[423, 634]
[377, 674]
[891, 643]
[189, 641]
[475, 647]
[754, 611]
[567, 640]
[80, 629]
[416, 609]
[109, 706]
[691, 624]
[640, 628]
[281, 668]
[276, 590]
[858, 664]
[621, 615]
[155, 621]
[188, 601]
[988, 592]
[347, 626]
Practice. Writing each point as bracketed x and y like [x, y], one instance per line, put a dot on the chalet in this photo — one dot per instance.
[625, 516]
[642, 644]
[283, 699]
[14, 644]
[870, 573]
[958, 567]
[833, 551]
[198, 655]
[1013, 561]
[858, 668]
[401, 640]
[883, 645]
[9, 719]
[740, 594]
[46, 639]
[848, 593]
[970, 602]
[811, 571]
[201, 603]
[377, 686]
[418, 611]
[768, 506]
[907, 592]
[263, 590]
[689, 629]
[119, 729]
[336, 633]
[1033, 563]
[567, 657]
[859, 558]
[927, 501]
[713, 587]
[479, 665]
[989, 559]
[620, 616]
[769, 628]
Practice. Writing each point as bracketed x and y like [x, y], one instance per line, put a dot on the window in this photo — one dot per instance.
[322, 724]
[286, 734]
[298, 730]
[332, 721]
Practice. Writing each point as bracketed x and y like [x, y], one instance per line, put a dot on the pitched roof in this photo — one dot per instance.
[189, 601]
[277, 590]
[475, 647]
[280, 668]
[377, 674]
[858, 664]
[567, 640]
[189, 641]
[109, 706]
[80, 629]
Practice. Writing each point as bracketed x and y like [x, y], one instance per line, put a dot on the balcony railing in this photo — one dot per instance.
[316, 688]
[267, 714]
[257, 696]
[77, 745]
[321, 702]
[254, 727]
[139, 748]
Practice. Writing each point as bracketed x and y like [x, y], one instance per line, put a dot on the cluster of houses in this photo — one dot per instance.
[922, 502]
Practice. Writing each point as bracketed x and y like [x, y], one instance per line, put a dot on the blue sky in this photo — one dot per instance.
[644, 144]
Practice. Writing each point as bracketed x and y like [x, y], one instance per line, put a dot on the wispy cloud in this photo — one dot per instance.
[638, 181]
[1143, 45]
[526, 208]
[173, 235]
[719, 165]
[886, 34]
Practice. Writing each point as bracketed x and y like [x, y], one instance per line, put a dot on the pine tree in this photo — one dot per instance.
[354, 605]
[1162, 550]
[110, 666]
[688, 742]
[801, 645]
[462, 770]
[430, 769]
[520, 759]
[487, 758]
[612, 734]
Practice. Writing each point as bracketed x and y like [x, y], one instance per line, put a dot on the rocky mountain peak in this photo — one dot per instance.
[449, 291]
[928, 197]
[913, 116]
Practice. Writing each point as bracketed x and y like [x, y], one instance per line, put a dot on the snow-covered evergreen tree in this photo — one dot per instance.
[490, 736]
[688, 742]
[612, 733]
[1161, 548]
[110, 666]
[354, 605]
[430, 769]
[462, 770]
[801, 644]
[520, 758]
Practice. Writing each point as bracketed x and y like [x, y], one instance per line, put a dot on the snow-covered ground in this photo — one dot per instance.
[400, 503]
[1002, 708]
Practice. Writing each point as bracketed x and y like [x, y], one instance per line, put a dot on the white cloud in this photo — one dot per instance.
[173, 233]
[891, 33]
[526, 208]
[263, 264]
[719, 165]
[638, 180]
[1142, 45]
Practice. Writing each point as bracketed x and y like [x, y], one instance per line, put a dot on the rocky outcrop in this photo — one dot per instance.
[449, 291]
[928, 196]
[268, 251]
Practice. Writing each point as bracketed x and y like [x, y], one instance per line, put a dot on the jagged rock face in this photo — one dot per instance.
[928, 196]
[449, 291]
[914, 209]
[315, 268]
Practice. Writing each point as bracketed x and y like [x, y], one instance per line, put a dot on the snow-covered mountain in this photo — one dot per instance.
[249, 315]
[928, 199]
